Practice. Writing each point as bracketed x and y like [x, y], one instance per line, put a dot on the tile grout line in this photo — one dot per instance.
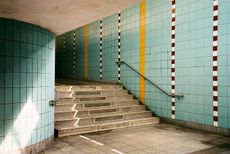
[173, 83]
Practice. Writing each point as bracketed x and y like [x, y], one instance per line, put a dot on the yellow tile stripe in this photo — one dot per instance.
[142, 48]
[86, 29]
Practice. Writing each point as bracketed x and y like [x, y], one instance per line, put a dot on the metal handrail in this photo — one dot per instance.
[148, 79]
[57, 97]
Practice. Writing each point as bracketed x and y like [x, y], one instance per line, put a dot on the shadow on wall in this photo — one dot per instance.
[14, 112]
[21, 99]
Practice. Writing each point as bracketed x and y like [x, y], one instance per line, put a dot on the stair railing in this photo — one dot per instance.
[56, 98]
[148, 79]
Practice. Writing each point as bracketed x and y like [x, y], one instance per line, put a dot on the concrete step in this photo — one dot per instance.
[94, 94]
[100, 99]
[63, 88]
[70, 105]
[107, 126]
[99, 107]
[66, 94]
[75, 121]
[65, 107]
[64, 114]
[62, 101]
[97, 87]
[81, 94]
[108, 104]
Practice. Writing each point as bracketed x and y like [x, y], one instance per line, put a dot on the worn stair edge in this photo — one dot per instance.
[97, 105]
[68, 94]
[102, 116]
[101, 95]
[103, 99]
[65, 123]
[97, 87]
[95, 98]
[99, 112]
[103, 108]
[107, 126]
[72, 101]
[91, 106]
[99, 92]
[124, 100]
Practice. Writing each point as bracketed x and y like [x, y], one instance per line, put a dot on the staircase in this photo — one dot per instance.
[93, 108]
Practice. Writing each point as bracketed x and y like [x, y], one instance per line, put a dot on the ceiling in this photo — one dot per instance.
[60, 16]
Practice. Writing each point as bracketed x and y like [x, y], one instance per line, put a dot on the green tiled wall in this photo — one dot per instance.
[158, 55]
[26, 84]
[130, 52]
[94, 55]
[68, 54]
[109, 48]
[80, 45]
[194, 28]
[224, 64]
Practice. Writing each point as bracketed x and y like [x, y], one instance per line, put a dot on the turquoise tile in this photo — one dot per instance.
[2, 113]
[200, 109]
[16, 95]
[200, 118]
[223, 122]
[8, 48]
[2, 30]
[8, 111]
[222, 112]
[8, 95]
[2, 129]
[208, 120]
[16, 110]
[2, 95]
[29, 65]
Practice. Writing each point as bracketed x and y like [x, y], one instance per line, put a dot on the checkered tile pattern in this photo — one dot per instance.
[215, 62]
[173, 39]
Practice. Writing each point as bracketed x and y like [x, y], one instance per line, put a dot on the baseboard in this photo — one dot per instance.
[197, 126]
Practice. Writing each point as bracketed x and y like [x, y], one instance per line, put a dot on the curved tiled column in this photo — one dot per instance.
[26, 86]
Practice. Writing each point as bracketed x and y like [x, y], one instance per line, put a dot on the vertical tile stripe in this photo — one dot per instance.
[101, 24]
[215, 63]
[142, 48]
[74, 54]
[119, 46]
[86, 29]
[173, 43]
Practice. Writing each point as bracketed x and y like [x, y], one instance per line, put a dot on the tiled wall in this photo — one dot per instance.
[186, 51]
[26, 84]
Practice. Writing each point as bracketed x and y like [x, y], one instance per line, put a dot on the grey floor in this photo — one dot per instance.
[162, 138]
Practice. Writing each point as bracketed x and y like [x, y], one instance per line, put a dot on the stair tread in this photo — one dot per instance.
[102, 108]
[101, 116]
[100, 90]
[114, 122]
[106, 101]
[102, 95]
